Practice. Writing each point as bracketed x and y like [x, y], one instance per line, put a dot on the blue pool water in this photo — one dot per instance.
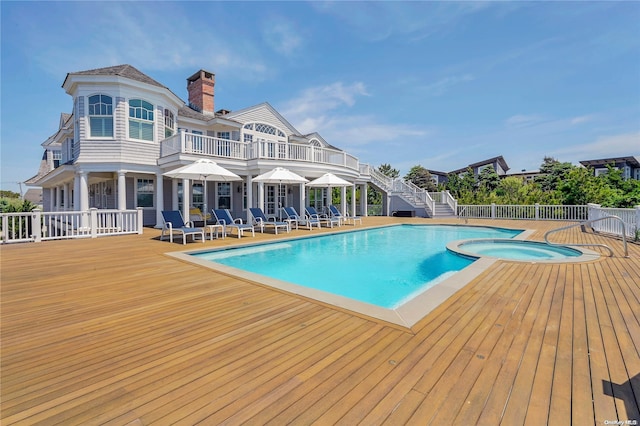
[382, 266]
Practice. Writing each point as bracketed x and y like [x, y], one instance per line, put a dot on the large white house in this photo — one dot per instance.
[126, 130]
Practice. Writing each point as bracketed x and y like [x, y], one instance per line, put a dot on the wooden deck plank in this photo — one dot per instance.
[132, 336]
[502, 387]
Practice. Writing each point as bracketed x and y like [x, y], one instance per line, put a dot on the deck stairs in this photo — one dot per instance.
[433, 204]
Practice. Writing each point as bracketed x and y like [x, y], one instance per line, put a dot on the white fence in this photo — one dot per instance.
[39, 226]
[631, 217]
[528, 212]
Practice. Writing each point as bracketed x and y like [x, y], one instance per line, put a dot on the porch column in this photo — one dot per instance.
[52, 199]
[159, 199]
[363, 200]
[84, 191]
[261, 195]
[122, 191]
[343, 200]
[174, 194]
[303, 199]
[66, 199]
[58, 198]
[186, 198]
[353, 200]
[76, 192]
[83, 198]
[249, 182]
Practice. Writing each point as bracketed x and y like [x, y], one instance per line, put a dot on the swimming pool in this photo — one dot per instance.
[381, 266]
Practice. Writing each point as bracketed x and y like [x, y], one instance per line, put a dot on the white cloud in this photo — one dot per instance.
[282, 38]
[325, 109]
[620, 145]
[581, 119]
[130, 34]
[316, 102]
[443, 85]
[523, 120]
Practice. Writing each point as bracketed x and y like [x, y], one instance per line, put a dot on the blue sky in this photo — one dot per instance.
[437, 84]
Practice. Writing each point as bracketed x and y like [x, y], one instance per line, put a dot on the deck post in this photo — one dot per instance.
[36, 227]
[139, 220]
[537, 208]
[493, 210]
[93, 221]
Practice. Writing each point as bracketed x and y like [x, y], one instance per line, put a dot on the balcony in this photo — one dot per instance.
[207, 146]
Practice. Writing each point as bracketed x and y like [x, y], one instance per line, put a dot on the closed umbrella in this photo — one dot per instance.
[204, 170]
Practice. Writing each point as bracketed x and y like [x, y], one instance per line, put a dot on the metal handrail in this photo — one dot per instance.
[589, 222]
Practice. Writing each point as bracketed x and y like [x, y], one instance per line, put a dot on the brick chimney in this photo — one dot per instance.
[200, 88]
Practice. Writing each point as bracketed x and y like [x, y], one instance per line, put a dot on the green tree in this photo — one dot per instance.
[552, 172]
[9, 194]
[421, 178]
[488, 179]
[387, 170]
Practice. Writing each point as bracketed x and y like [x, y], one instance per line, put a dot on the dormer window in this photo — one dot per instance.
[140, 120]
[101, 116]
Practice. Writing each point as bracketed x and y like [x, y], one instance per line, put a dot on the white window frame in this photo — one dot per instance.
[100, 116]
[141, 120]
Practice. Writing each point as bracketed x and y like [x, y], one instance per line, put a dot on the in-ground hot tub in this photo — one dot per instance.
[520, 250]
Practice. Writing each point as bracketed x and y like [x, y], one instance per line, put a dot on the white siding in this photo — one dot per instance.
[120, 118]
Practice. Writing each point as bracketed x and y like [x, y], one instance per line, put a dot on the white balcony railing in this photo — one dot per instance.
[39, 226]
[189, 143]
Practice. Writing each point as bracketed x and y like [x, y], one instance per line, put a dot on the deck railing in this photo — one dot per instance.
[630, 217]
[39, 226]
[529, 212]
[189, 143]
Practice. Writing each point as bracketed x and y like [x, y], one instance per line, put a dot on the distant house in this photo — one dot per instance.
[630, 166]
[527, 176]
[497, 163]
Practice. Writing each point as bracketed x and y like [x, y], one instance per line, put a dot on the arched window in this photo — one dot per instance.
[101, 116]
[140, 120]
[169, 123]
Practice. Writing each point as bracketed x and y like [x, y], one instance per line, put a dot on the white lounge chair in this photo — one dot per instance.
[174, 222]
[224, 218]
[261, 220]
[333, 210]
[293, 217]
[312, 213]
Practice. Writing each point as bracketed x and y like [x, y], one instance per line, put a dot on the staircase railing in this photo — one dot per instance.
[589, 222]
[408, 190]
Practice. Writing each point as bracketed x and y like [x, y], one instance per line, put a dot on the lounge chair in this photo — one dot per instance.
[312, 214]
[174, 222]
[333, 210]
[261, 220]
[224, 218]
[196, 216]
[293, 217]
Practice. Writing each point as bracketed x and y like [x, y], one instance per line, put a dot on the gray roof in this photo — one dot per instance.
[124, 70]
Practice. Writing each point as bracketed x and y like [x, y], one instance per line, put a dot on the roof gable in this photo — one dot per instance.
[263, 113]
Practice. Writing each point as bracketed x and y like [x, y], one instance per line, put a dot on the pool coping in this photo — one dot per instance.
[405, 315]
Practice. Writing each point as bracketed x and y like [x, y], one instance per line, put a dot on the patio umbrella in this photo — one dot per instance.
[204, 170]
[280, 175]
[328, 180]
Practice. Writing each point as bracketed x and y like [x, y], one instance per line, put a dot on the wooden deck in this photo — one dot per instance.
[112, 331]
